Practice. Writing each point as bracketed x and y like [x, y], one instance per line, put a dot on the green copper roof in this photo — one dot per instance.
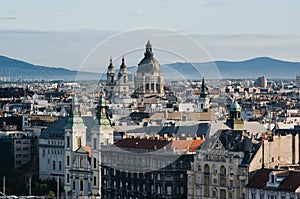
[235, 106]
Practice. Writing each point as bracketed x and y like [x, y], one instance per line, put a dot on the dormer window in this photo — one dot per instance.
[272, 178]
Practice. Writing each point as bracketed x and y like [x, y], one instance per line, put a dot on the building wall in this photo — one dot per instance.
[279, 152]
[217, 175]
[125, 177]
[51, 158]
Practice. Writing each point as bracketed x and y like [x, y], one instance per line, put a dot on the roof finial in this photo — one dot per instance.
[110, 60]
[148, 45]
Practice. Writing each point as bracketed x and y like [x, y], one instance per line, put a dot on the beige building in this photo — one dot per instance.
[220, 166]
[228, 158]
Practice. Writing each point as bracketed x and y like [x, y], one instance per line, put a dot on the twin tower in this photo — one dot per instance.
[148, 79]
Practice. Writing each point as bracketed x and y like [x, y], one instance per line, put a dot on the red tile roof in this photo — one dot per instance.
[148, 144]
[290, 183]
[183, 144]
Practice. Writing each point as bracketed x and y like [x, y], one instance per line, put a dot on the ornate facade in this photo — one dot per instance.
[83, 150]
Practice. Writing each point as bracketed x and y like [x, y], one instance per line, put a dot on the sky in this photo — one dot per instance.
[64, 32]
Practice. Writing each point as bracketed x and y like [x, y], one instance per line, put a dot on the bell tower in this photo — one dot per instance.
[110, 78]
[203, 101]
[122, 83]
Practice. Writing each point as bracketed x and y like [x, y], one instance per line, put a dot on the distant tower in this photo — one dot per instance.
[110, 78]
[235, 120]
[203, 101]
[122, 83]
[148, 79]
[261, 82]
[298, 80]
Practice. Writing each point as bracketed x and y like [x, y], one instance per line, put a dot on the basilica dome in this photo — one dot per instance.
[148, 64]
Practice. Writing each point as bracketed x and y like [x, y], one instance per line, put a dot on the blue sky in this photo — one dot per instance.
[63, 32]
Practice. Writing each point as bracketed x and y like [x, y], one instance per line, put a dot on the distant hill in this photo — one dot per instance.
[253, 68]
[249, 69]
[16, 69]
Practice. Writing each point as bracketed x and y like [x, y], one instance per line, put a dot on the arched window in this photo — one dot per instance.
[206, 170]
[53, 165]
[215, 170]
[199, 168]
[223, 170]
[223, 175]
[231, 172]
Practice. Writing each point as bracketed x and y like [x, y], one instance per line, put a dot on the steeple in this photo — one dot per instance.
[123, 65]
[235, 116]
[102, 115]
[105, 131]
[111, 67]
[110, 78]
[203, 93]
[75, 106]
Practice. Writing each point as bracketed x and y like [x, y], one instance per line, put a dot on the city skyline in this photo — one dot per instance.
[64, 33]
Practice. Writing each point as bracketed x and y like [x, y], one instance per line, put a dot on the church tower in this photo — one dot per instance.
[122, 83]
[110, 78]
[77, 155]
[105, 129]
[235, 120]
[203, 101]
[101, 134]
[75, 128]
[148, 79]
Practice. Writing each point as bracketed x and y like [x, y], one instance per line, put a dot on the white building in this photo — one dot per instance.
[51, 150]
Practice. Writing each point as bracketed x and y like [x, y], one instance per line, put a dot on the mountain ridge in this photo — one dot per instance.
[247, 69]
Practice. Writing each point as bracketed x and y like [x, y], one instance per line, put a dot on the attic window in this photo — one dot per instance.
[272, 178]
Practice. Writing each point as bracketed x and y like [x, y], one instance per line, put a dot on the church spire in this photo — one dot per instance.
[123, 65]
[203, 92]
[111, 68]
[102, 114]
[75, 106]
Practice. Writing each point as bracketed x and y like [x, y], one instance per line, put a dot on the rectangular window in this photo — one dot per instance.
[169, 190]
[95, 143]
[95, 163]
[68, 178]
[68, 160]
[81, 185]
[95, 181]
[68, 141]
